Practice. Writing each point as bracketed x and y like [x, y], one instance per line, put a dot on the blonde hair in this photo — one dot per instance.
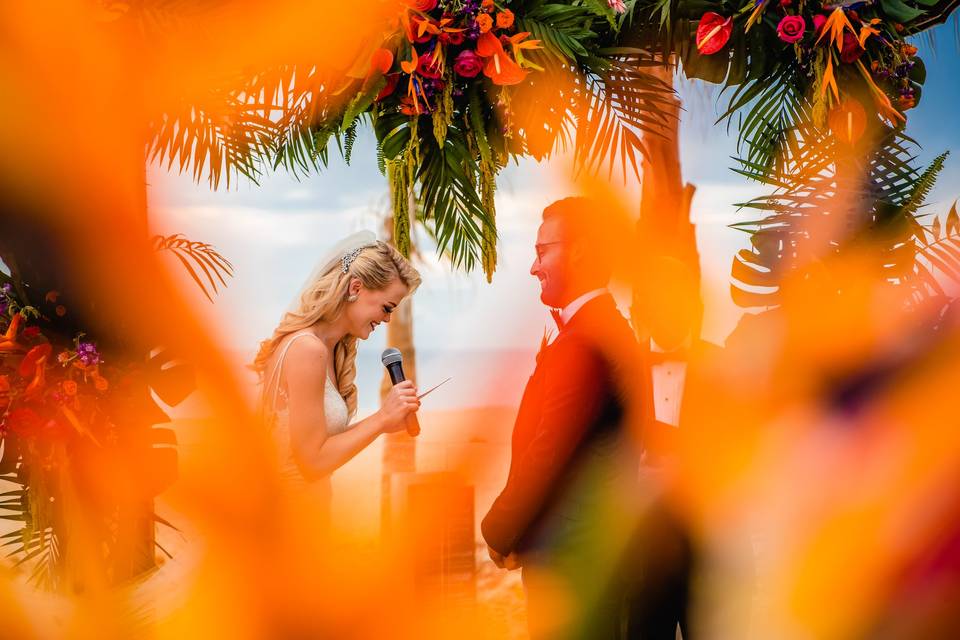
[376, 267]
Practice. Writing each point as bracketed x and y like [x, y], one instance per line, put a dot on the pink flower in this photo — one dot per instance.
[791, 28]
[818, 21]
[617, 5]
[467, 64]
[851, 48]
[427, 67]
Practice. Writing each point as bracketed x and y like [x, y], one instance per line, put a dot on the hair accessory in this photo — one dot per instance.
[334, 259]
[348, 259]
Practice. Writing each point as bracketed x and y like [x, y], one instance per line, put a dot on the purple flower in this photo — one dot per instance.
[87, 353]
[7, 288]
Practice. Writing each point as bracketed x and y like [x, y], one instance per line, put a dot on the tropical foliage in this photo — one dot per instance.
[78, 440]
[817, 93]
[444, 92]
[197, 258]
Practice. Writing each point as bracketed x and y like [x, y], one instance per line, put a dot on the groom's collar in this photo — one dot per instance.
[567, 313]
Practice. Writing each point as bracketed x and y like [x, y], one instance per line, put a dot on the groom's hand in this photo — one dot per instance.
[509, 562]
[495, 556]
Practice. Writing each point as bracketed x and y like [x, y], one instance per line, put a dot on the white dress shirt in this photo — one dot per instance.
[668, 381]
[567, 313]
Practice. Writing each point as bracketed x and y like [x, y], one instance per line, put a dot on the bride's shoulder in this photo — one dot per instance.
[306, 350]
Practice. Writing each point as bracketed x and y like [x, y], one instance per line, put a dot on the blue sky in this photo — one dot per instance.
[275, 233]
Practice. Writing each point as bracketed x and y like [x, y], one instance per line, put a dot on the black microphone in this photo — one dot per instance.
[392, 359]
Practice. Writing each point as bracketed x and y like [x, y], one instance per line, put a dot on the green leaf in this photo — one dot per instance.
[899, 10]
[362, 101]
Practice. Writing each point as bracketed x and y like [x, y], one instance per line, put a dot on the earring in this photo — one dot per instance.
[352, 298]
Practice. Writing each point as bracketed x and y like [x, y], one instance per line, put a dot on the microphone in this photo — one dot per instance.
[392, 359]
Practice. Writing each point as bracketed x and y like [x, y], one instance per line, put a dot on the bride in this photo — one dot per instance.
[308, 366]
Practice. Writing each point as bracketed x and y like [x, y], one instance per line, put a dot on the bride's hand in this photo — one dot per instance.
[399, 403]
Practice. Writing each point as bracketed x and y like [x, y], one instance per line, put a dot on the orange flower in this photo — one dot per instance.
[63, 356]
[505, 19]
[381, 61]
[485, 22]
[69, 387]
[8, 341]
[61, 310]
[12, 328]
[100, 383]
[848, 120]
[500, 67]
[487, 5]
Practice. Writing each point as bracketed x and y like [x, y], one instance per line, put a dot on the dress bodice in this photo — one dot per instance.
[336, 414]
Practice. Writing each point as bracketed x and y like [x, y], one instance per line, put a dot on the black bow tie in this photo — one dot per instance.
[558, 318]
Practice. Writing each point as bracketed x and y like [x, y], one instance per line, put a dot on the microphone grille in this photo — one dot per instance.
[391, 356]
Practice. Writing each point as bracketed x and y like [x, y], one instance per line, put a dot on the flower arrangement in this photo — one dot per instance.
[846, 51]
[441, 90]
[49, 392]
[56, 400]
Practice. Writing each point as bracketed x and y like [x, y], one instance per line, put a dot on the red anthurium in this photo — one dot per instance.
[848, 120]
[390, 87]
[34, 358]
[381, 60]
[713, 33]
[499, 67]
[503, 71]
[488, 45]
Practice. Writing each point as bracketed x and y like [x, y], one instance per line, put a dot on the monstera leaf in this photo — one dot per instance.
[171, 379]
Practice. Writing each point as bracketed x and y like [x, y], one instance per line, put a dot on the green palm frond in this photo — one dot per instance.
[449, 200]
[939, 244]
[876, 196]
[562, 44]
[618, 104]
[923, 185]
[196, 258]
[222, 140]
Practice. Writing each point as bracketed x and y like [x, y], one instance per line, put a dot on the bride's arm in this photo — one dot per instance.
[316, 453]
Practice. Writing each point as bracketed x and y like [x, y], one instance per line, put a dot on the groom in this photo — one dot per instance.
[572, 461]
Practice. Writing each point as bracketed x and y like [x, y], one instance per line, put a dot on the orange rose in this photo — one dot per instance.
[484, 22]
[61, 310]
[487, 5]
[100, 383]
[505, 19]
[69, 387]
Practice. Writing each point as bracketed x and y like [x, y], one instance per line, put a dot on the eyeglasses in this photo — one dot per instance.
[539, 247]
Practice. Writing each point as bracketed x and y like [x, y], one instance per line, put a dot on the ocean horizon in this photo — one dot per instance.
[479, 378]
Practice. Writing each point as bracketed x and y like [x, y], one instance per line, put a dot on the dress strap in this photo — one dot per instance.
[274, 378]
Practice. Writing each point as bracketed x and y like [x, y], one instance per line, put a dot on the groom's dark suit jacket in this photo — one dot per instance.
[571, 433]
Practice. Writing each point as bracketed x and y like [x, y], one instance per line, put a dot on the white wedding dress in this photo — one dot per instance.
[335, 412]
